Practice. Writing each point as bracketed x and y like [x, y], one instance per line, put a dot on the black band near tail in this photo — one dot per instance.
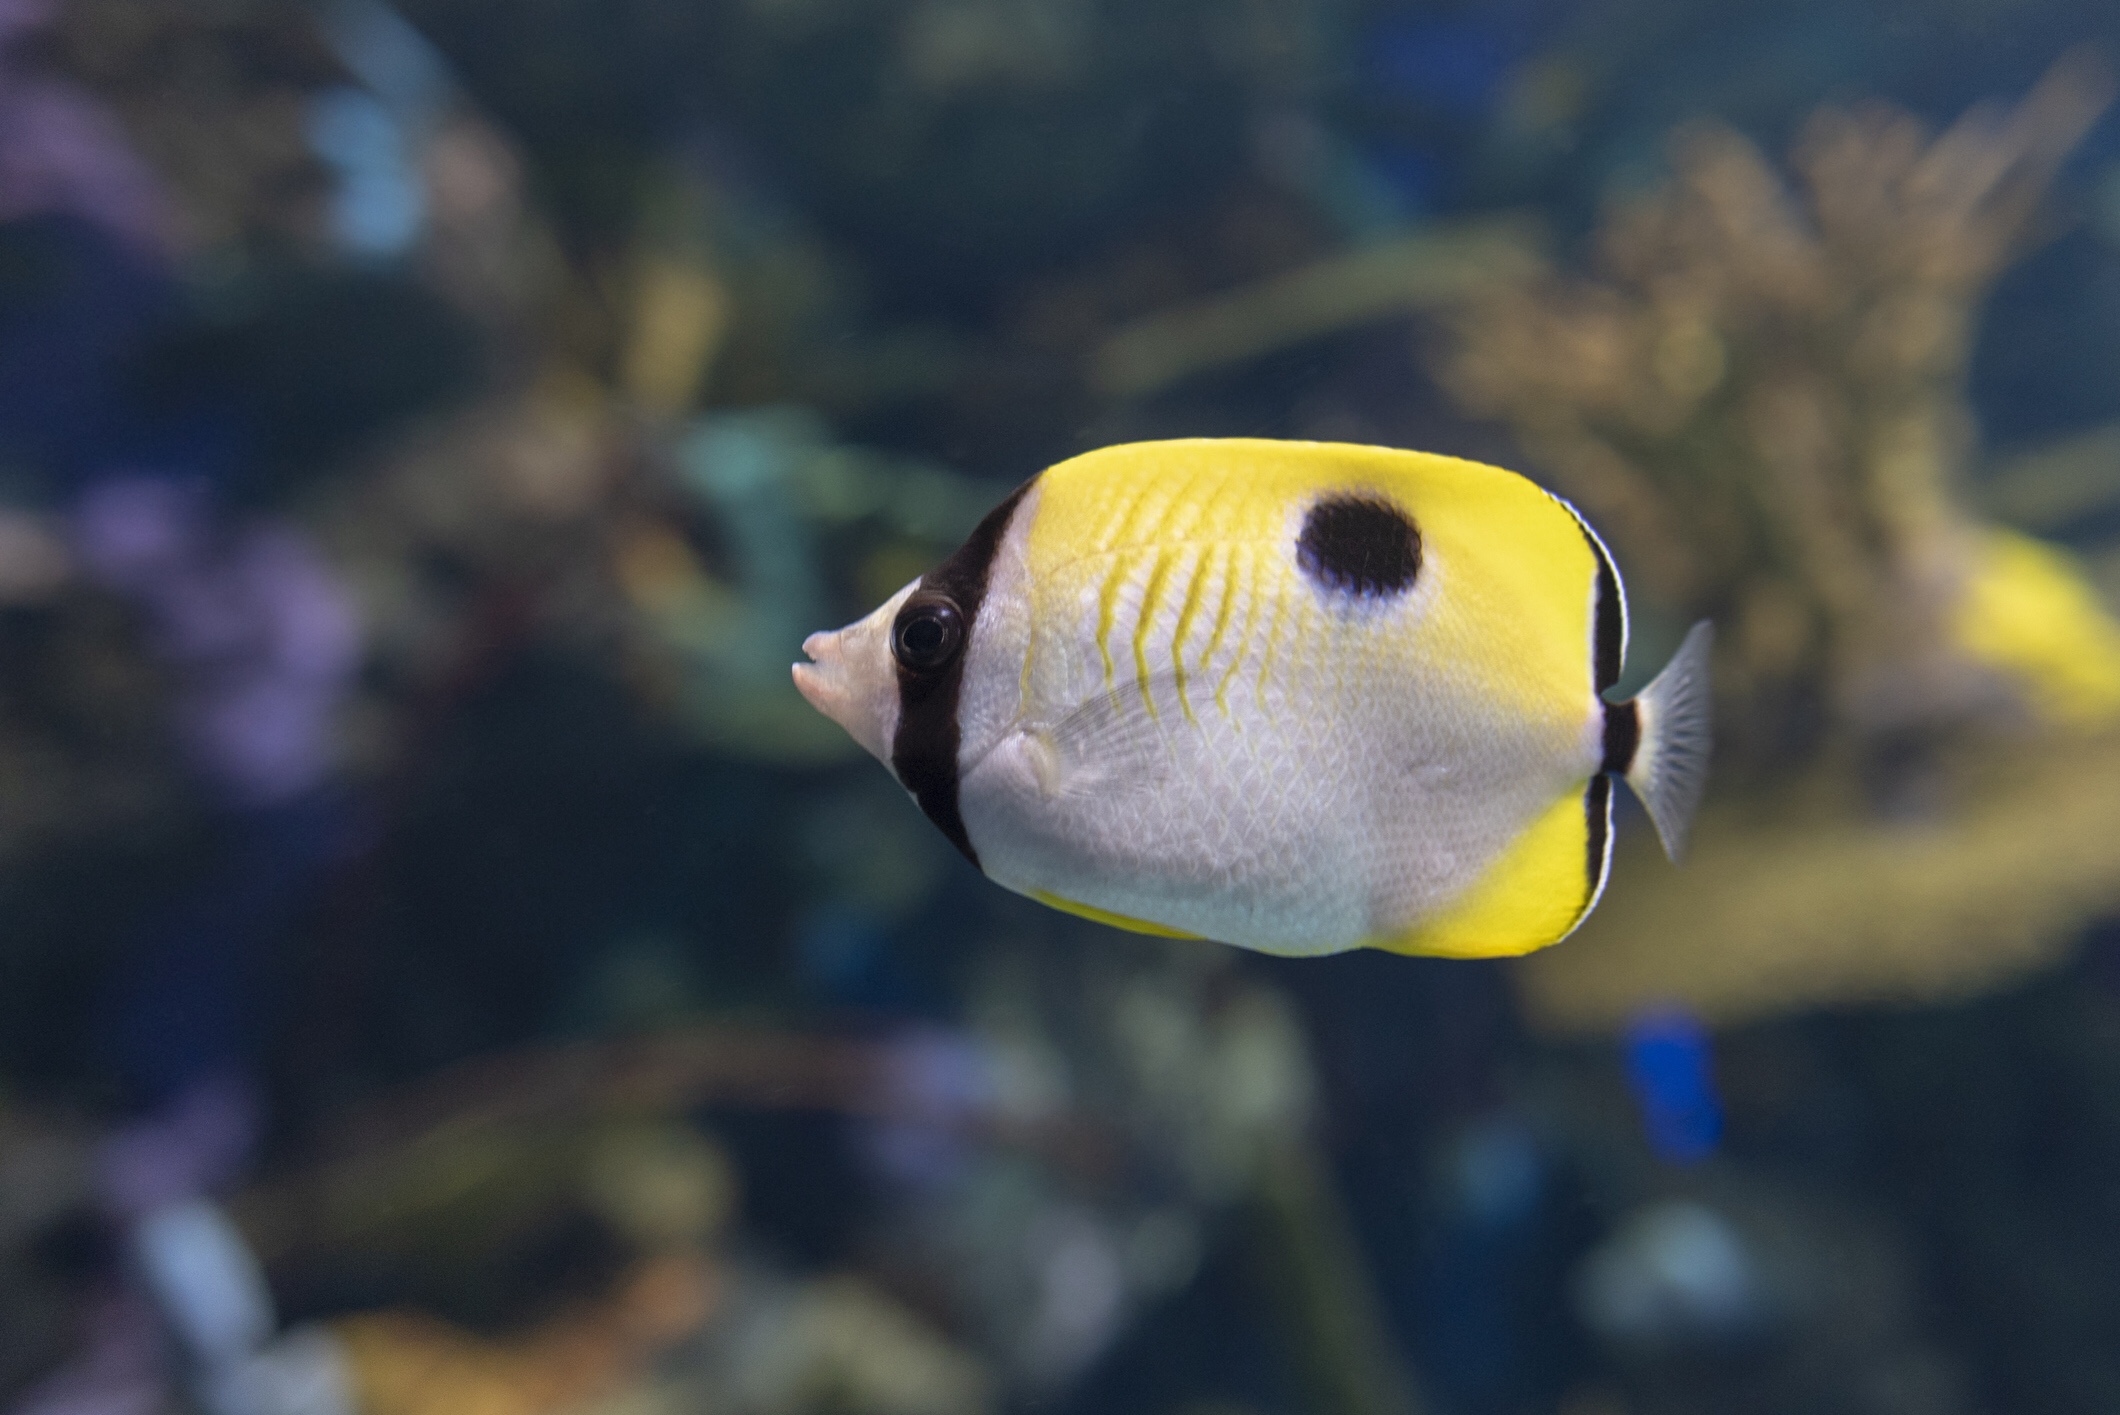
[924, 749]
[1623, 736]
[1608, 611]
[1608, 638]
[1597, 807]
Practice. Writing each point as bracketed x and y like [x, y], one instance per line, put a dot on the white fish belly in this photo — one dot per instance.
[1329, 797]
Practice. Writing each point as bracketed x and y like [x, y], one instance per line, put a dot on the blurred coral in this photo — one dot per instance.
[66, 152]
[605, 1048]
[836, 1343]
[1427, 270]
[1053, 1168]
[1804, 899]
[256, 629]
[84, 753]
[34, 563]
[777, 497]
[45, 1176]
[214, 98]
[402, 1363]
[1761, 401]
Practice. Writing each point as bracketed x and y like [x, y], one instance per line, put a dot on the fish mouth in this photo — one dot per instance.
[835, 683]
[810, 683]
[819, 686]
[852, 678]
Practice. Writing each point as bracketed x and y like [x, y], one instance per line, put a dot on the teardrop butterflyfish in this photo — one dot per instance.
[1298, 697]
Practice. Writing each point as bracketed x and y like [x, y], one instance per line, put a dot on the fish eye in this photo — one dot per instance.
[928, 634]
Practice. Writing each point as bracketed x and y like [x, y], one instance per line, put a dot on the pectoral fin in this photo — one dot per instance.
[1112, 745]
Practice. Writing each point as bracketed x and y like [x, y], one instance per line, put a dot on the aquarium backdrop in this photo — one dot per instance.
[447, 969]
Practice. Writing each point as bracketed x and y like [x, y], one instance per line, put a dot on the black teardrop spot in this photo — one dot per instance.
[1361, 545]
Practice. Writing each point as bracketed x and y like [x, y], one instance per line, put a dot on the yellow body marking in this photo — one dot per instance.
[1502, 611]
[1151, 596]
[1522, 585]
[1534, 895]
[1510, 577]
[1118, 531]
[1105, 916]
[1229, 595]
[1108, 614]
[1251, 616]
[1273, 636]
[1187, 611]
[1122, 531]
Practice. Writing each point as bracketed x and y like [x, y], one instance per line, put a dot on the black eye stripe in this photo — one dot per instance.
[1361, 544]
[924, 748]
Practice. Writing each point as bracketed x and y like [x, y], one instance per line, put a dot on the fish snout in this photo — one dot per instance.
[819, 680]
[810, 683]
[852, 677]
[844, 681]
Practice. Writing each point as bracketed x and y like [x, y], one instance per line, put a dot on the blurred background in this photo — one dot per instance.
[445, 969]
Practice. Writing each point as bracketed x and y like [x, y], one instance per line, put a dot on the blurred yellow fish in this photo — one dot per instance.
[1299, 697]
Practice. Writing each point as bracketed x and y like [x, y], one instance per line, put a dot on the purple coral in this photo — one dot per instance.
[64, 153]
[263, 638]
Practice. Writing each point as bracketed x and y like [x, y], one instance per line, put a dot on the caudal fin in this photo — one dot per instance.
[1670, 767]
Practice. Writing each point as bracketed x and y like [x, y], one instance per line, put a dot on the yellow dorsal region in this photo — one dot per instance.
[1517, 576]
[1534, 895]
[1105, 916]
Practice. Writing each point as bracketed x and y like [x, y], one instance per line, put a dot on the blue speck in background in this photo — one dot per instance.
[1670, 1067]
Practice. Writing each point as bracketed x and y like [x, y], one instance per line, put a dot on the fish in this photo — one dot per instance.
[1299, 697]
